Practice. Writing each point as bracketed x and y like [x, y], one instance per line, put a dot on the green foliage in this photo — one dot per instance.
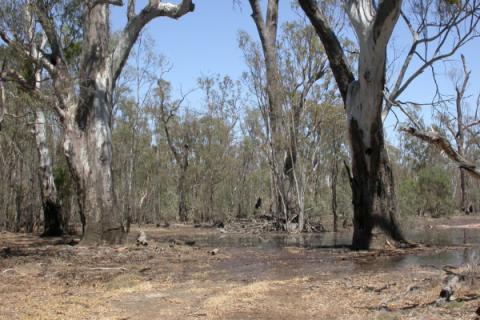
[72, 53]
[430, 193]
[435, 189]
[409, 198]
[452, 2]
[63, 183]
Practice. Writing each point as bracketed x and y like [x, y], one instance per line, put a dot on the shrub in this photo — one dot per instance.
[409, 198]
[435, 189]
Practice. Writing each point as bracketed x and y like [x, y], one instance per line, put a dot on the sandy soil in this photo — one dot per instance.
[45, 279]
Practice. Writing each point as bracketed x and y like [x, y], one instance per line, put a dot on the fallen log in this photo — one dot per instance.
[447, 292]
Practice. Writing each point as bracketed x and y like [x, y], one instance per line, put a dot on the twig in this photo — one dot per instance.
[121, 268]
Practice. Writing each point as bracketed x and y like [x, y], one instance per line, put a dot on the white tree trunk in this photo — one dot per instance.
[374, 199]
[52, 211]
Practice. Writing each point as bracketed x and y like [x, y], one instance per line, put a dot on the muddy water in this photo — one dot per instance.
[278, 256]
[328, 240]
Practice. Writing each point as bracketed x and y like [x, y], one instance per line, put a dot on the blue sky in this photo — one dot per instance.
[205, 41]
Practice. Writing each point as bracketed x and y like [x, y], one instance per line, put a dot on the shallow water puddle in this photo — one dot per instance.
[280, 256]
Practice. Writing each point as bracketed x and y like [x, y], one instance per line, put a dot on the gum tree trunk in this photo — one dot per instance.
[371, 179]
[283, 125]
[86, 117]
[52, 211]
[50, 203]
[280, 165]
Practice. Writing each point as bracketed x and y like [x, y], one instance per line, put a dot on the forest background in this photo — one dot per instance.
[190, 139]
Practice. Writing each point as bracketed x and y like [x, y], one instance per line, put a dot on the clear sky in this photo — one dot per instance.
[205, 41]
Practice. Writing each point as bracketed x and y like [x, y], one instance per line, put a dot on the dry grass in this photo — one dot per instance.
[41, 281]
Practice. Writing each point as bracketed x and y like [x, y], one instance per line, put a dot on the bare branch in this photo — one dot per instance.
[336, 57]
[112, 2]
[443, 33]
[436, 138]
[14, 76]
[135, 24]
[5, 38]
[472, 124]
[57, 56]
[4, 108]
[399, 105]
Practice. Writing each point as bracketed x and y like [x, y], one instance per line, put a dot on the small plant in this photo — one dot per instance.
[453, 305]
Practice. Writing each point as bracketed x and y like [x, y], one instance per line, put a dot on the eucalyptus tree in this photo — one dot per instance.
[163, 109]
[222, 104]
[28, 79]
[435, 23]
[270, 94]
[254, 178]
[439, 30]
[455, 117]
[20, 166]
[85, 99]
[282, 76]
[374, 199]
[134, 93]
[335, 139]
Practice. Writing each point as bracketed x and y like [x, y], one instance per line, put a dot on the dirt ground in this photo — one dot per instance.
[47, 279]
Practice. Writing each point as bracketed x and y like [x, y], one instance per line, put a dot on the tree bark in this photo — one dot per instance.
[87, 117]
[460, 136]
[283, 157]
[52, 210]
[181, 162]
[19, 196]
[334, 195]
[371, 179]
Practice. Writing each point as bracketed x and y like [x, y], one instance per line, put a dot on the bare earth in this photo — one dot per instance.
[42, 279]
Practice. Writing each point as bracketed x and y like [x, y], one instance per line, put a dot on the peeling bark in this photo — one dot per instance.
[86, 117]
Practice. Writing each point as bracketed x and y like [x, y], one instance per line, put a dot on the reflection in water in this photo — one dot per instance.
[445, 236]
[455, 257]
[275, 243]
[330, 239]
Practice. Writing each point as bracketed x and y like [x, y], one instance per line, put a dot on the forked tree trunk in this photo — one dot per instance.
[87, 121]
[88, 148]
[52, 210]
[374, 199]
